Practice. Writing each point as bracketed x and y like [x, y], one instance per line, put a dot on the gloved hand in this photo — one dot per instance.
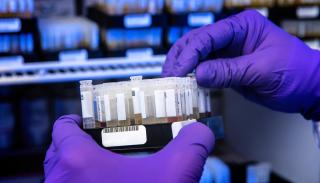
[256, 58]
[75, 157]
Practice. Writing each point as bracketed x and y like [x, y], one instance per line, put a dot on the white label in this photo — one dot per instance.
[179, 104]
[136, 100]
[87, 104]
[201, 101]
[188, 98]
[124, 136]
[200, 19]
[142, 104]
[137, 20]
[139, 53]
[314, 44]
[263, 11]
[176, 126]
[171, 110]
[307, 12]
[121, 106]
[99, 104]
[107, 112]
[183, 101]
[159, 100]
[10, 25]
[12, 60]
[73, 55]
[208, 101]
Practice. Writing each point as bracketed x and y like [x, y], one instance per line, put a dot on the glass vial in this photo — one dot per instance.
[86, 91]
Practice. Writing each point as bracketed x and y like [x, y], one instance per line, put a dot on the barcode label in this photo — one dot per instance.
[124, 136]
[121, 129]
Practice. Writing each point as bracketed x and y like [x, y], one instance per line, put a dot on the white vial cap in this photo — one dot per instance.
[86, 82]
[135, 78]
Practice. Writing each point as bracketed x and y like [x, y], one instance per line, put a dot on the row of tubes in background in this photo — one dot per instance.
[54, 36]
[150, 101]
[120, 7]
[21, 8]
[75, 33]
[63, 33]
[268, 3]
[21, 43]
[25, 8]
[68, 33]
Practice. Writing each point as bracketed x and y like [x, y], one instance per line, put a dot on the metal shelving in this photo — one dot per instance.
[102, 68]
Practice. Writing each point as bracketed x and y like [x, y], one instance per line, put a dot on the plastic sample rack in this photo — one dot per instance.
[148, 137]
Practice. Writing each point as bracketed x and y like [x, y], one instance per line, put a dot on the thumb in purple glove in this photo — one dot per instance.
[254, 57]
[75, 157]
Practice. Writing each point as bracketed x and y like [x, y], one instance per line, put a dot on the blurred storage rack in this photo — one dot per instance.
[41, 62]
[100, 68]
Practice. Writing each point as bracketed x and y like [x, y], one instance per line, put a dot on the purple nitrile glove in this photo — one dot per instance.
[75, 157]
[256, 58]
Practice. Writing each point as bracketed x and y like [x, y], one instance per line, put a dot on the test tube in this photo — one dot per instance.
[106, 105]
[86, 90]
[149, 104]
[30, 7]
[160, 4]
[208, 103]
[202, 102]
[195, 106]
[145, 102]
[21, 7]
[173, 99]
[181, 90]
[188, 98]
[112, 120]
[122, 106]
[13, 6]
[99, 110]
[29, 45]
[137, 99]
[2, 44]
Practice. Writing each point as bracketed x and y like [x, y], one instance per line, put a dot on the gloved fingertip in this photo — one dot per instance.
[71, 118]
[165, 73]
[197, 133]
[205, 75]
[67, 126]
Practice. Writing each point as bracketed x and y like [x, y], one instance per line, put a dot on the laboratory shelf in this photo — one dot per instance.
[134, 20]
[18, 57]
[137, 50]
[76, 54]
[101, 68]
